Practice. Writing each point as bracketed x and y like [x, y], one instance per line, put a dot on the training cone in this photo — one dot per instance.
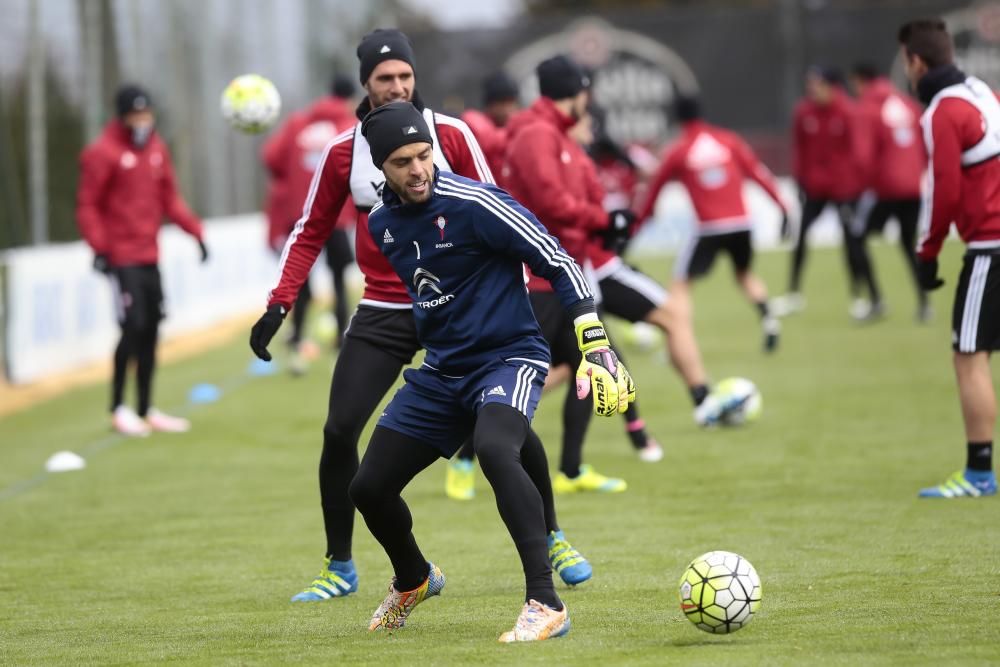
[204, 393]
[259, 367]
[65, 462]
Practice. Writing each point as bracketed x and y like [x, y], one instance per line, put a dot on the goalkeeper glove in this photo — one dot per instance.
[265, 328]
[600, 371]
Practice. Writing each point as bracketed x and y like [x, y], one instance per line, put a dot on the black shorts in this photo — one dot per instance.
[557, 328]
[697, 258]
[393, 331]
[138, 295]
[339, 254]
[629, 293]
[975, 319]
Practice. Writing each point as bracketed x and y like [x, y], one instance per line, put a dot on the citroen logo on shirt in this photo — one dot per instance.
[424, 279]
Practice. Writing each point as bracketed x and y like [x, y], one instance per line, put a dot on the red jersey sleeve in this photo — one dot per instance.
[174, 205]
[459, 145]
[942, 196]
[96, 168]
[755, 170]
[666, 172]
[534, 155]
[328, 192]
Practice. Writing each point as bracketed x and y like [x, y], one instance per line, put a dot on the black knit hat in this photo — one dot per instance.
[381, 45]
[132, 98]
[498, 87]
[687, 108]
[559, 78]
[393, 125]
[342, 86]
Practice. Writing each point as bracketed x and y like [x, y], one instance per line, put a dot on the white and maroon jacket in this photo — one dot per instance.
[961, 128]
[346, 168]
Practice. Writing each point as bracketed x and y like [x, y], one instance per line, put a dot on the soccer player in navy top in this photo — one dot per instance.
[459, 246]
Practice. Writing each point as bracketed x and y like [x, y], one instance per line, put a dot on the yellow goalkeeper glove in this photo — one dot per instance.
[600, 371]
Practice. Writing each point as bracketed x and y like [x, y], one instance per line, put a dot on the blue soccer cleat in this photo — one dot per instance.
[572, 567]
[968, 484]
[337, 579]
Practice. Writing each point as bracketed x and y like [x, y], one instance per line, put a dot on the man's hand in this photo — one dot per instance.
[101, 264]
[619, 230]
[264, 330]
[600, 372]
[204, 251]
[927, 274]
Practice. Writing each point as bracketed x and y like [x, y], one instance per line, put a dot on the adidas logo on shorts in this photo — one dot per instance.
[497, 391]
[387, 237]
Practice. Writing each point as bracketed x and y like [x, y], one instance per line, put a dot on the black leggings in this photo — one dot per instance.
[393, 459]
[140, 298]
[906, 212]
[858, 263]
[351, 405]
[338, 258]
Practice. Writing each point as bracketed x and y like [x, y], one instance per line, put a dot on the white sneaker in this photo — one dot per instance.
[160, 421]
[860, 308]
[709, 412]
[788, 304]
[652, 452]
[127, 422]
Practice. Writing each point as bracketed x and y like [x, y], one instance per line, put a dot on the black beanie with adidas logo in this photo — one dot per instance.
[393, 125]
[380, 45]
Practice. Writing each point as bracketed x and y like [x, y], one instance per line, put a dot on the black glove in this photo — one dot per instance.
[619, 230]
[927, 274]
[204, 251]
[101, 264]
[786, 228]
[262, 332]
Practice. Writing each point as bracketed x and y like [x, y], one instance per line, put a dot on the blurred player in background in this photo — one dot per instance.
[381, 338]
[547, 171]
[712, 164]
[893, 165]
[460, 247]
[826, 164]
[126, 188]
[291, 156]
[500, 103]
[961, 131]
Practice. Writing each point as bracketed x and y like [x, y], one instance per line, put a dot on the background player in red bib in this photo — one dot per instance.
[893, 164]
[961, 130]
[712, 163]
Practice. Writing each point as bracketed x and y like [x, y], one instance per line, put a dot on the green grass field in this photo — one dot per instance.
[187, 548]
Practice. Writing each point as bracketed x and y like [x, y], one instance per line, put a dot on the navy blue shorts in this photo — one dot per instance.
[441, 410]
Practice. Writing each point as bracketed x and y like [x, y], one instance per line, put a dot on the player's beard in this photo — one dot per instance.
[407, 194]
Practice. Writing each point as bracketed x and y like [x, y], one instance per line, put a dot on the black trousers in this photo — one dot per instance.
[859, 270]
[138, 297]
[339, 256]
[906, 212]
[393, 459]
